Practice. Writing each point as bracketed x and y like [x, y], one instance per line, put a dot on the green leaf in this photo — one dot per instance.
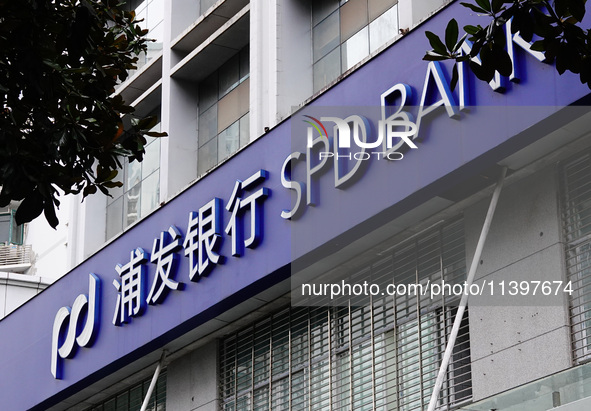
[147, 123]
[90, 189]
[113, 184]
[156, 134]
[484, 4]
[472, 30]
[497, 5]
[431, 56]
[538, 46]
[459, 43]
[436, 43]
[483, 73]
[451, 34]
[503, 63]
[561, 8]
[474, 8]
[577, 9]
[49, 212]
[30, 208]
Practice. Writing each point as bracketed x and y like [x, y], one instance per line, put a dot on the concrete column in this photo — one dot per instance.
[178, 154]
[263, 66]
[192, 380]
[294, 64]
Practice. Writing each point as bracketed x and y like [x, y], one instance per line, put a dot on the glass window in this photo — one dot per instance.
[327, 69]
[353, 18]
[224, 105]
[229, 75]
[233, 105]
[155, 13]
[131, 205]
[115, 217]
[208, 125]
[5, 227]
[10, 233]
[208, 155]
[377, 356]
[360, 27]
[244, 130]
[116, 192]
[322, 9]
[326, 36]
[151, 161]
[134, 173]
[208, 92]
[383, 29]
[150, 193]
[378, 7]
[140, 191]
[228, 141]
[152, 14]
[355, 49]
[244, 64]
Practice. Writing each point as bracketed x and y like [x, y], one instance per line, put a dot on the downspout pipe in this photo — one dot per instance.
[153, 382]
[464, 300]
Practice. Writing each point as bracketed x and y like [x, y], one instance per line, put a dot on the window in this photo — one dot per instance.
[224, 112]
[10, 233]
[345, 32]
[132, 398]
[384, 355]
[140, 192]
[151, 12]
[577, 231]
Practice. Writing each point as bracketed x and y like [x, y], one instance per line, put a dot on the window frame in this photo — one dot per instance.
[13, 226]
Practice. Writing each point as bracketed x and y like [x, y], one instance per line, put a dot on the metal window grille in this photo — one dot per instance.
[380, 356]
[131, 399]
[577, 232]
[15, 254]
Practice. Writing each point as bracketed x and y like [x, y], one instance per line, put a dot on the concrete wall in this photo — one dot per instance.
[192, 381]
[16, 289]
[515, 340]
[50, 256]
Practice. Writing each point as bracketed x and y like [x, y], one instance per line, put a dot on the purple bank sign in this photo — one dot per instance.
[329, 174]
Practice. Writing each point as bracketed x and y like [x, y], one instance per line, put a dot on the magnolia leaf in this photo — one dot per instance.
[436, 43]
[451, 34]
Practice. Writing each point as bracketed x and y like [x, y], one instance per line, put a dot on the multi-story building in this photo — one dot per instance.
[256, 261]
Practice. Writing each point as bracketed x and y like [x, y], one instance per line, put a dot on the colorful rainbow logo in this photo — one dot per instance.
[316, 126]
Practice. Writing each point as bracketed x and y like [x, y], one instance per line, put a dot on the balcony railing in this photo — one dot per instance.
[14, 255]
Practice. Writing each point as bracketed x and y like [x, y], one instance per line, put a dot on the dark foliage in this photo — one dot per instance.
[553, 26]
[62, 130]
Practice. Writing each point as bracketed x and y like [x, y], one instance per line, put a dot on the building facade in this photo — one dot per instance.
[303, 237]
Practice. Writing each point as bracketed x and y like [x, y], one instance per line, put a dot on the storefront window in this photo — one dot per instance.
[384, 355]
[132, 398]
[577, 230]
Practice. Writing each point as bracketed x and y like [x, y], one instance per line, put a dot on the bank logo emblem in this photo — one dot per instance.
[68, 330]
